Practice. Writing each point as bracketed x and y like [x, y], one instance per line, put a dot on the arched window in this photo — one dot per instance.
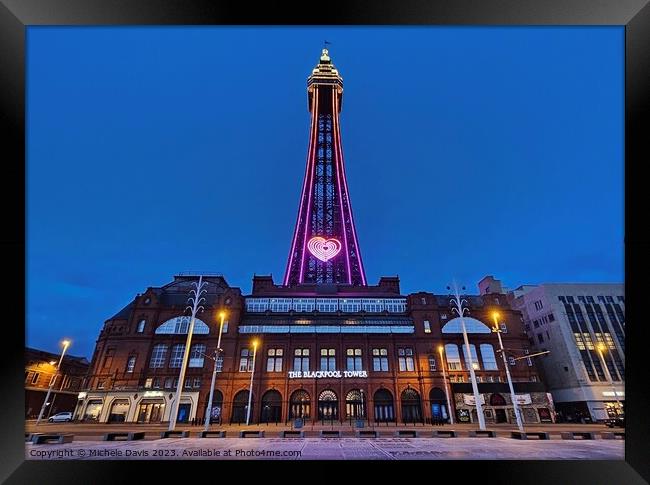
[497, 400]
[328, 405]
[472, 325]
[411, 409]
[354, 404]
[453, 357]
[180, 325]
[300, 404]
[217, 406]
[141, 325]
[384, 409]
[475, 363]
[489, 360]
[271, 407]
[240, 406]
[438, 399]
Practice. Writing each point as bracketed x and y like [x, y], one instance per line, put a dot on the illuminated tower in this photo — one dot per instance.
[324, 248]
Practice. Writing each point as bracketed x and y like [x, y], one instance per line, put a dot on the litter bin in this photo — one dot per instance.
[297, 423]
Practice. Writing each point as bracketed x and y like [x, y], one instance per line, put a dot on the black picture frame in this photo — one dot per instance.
[17, 15]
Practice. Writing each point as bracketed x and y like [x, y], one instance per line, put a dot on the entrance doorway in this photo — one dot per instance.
[328, 406]
[150, 411]
[500, 415]
[183, 413]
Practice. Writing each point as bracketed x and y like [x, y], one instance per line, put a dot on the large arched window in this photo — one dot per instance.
[354, 404]
[271, 407]
[472, 325]
[475, 363]
[328, 405]
[240, 406]
[411, 409]
[489, 360]
[384, 409]
[453, 357]
[299, 405]
[180, 325]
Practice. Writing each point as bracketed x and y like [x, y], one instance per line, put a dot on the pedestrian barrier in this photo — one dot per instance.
[403, 433]
[477, 433]
[367, 433]
[137, 435]
[330, 433]
[612, 435]
[444, 433]
[571, 435]
[58, 438]
[542, 435]
[292, 434]
[251, 434]
[212, 434]
[177, 434]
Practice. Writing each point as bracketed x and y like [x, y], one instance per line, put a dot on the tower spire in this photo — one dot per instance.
[324, 248]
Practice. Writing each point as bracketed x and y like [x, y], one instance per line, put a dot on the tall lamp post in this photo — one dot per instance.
[65, 344]
[601, 347]
[195, 307]
[217, 352]
[250, 389]
[496, 329]
[457, 306]
[444, 378]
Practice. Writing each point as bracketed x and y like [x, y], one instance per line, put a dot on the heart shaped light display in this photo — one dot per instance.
[324, 249]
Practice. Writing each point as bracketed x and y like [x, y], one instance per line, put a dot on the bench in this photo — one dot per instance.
[486, 433]
[366, 433]
[571, 435]
[29, 437]
[411, 433]
[178, 434]
[330, 433]
[542, 435]
[42, 438]
[292, 434]
[138, 435]
[444, 433]
[253, 433]
[212, 434]
[612, 435]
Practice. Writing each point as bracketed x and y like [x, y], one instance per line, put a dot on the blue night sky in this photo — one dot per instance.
[469, 151]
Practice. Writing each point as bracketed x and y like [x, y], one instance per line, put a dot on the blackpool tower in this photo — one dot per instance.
[324, 248]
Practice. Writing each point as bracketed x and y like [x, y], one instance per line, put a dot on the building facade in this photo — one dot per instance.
[40, 371]
[331, 347]
[573, 321]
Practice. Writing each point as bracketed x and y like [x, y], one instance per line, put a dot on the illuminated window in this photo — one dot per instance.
[489, 359]
[158, 355]
[475, 363]
[472, 325]
[380, 360]
[350, 305]
[196, 355]
[327, 359]
[246, 360]
[180, 325]
[176, 358]
[405, 359]
[303, 304]
[372, 305]
[274, 360]
[395, 305]
[197, 383]
[141, 325]
[427, 326]
[432, 363]
[282, 305]
[130, 363]
[327, 305]
[453, 357]
[35, 377]
[301, 360]
[504, 328]
[353, 359]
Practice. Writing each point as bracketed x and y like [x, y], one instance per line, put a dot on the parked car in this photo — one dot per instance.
[617, 421]
[60, 417]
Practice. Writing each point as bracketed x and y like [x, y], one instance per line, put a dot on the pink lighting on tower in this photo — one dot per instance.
[324, 249]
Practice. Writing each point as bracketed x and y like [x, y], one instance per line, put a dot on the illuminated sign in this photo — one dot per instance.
[153, 394]
[82, 395]
[320, 374]
[324, 249]
[611, 393]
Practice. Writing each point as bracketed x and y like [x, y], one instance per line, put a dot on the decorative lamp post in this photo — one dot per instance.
[601, 347]
[195, 307]
[444, 378]
[250, 389]
[457, 306]
[496, 329]
[217, 352]
[65, 344]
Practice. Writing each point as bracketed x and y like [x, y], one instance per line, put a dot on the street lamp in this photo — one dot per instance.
[65, 344]
[601, 347]
[444, 378]
[196, 307]
[217, 352]
[250, 390]
[496, 329]
[460, 310]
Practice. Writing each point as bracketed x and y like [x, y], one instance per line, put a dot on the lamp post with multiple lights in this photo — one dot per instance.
[66, 344]
[195, 307]
[459, 305]
[250, 389]
[217, 353]
[496, 329]
[444, 378]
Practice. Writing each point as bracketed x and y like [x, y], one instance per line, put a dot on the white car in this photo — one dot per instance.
[57, 418]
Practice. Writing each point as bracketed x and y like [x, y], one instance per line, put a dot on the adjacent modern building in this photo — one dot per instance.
[40, 372]
[583, 328]
[330, 346]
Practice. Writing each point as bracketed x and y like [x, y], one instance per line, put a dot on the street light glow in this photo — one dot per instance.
[255, 342]
[601, 347]
[440, 348]
[222, 315]
[66, 342]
